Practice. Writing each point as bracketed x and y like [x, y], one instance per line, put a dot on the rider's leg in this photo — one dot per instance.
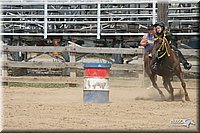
[183, 60]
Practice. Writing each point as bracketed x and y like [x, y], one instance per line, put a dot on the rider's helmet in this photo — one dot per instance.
[161, 24]
[150, 27]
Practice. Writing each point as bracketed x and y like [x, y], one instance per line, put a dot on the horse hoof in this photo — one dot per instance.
[182, 101]
[172, 98]
[187, 99]
[163, 98]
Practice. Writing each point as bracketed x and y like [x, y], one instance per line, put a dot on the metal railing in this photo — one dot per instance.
[91, 18]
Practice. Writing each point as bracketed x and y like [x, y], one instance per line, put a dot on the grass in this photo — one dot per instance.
[40, 85]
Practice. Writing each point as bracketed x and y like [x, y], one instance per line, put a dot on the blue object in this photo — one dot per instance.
[96, 65]
[95, 96]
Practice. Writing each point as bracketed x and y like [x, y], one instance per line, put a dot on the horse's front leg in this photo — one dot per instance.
[153, 80]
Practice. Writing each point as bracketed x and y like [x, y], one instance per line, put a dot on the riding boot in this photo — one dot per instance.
[184, 61]
[187, 65]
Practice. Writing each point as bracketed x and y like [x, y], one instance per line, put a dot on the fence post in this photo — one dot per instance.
[141, 74]
[5, 67]
[72, 58]
[73, 61]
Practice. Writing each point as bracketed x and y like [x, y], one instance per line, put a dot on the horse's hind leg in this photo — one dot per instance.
[168, 86]
[166, 83]
[152, 78]
[180, 76]
[184, 87]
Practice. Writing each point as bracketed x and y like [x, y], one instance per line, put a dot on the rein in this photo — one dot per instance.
[163, 46]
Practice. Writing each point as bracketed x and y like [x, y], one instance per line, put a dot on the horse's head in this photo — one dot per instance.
[158, 40]
[160, 46]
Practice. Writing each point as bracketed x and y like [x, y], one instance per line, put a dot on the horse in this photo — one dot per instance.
[169, 65]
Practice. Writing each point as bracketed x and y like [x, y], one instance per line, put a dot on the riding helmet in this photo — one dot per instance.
[150, 27]
[161, 24]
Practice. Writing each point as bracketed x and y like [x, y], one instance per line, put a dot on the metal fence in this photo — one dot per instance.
[92, 18]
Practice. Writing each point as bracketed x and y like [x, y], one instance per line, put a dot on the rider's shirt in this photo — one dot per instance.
[149, 46]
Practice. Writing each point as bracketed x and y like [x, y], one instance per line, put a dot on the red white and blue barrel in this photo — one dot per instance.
[96, 86]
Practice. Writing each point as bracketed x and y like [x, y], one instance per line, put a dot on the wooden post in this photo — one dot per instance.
[5, 68]
[72, 59]
[163, 11]
[141, 75]
[66, 70]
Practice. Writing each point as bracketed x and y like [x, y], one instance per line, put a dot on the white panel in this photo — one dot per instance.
[96, 84]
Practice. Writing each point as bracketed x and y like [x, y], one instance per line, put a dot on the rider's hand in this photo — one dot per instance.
[150, 42]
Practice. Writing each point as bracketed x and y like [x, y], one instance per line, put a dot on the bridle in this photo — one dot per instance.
[162, 46]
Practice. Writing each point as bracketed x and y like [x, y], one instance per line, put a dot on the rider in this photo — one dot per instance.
[160, 32]
[148, 39]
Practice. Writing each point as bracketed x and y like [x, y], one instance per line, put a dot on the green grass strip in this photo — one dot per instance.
[40, 85]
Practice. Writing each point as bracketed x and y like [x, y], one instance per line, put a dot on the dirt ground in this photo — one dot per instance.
[130, 108]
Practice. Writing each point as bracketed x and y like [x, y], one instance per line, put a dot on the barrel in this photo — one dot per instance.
[96, 86]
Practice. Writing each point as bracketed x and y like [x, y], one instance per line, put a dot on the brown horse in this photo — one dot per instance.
[169, 66]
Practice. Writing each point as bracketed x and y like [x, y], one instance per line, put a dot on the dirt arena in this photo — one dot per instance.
[130, 108]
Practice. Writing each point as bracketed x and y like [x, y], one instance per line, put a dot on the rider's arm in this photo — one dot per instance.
[150, 42]
[143, 41]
